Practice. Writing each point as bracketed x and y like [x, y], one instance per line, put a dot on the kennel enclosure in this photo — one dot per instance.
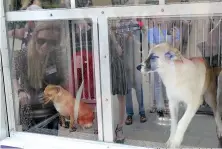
[88, 57]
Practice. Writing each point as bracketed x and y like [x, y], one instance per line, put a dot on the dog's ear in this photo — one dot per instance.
[58, 89]
[55, 88]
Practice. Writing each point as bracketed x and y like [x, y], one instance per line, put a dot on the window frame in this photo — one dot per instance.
[100, 17]
[3, 111]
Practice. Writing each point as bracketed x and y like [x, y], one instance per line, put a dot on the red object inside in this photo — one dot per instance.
[140, 22]
[83, 59]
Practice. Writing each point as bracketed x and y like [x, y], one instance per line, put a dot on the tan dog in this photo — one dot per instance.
[64, 103]
[186, 80]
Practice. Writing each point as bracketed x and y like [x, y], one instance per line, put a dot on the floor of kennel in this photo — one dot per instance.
[201, 132]
[154, 133]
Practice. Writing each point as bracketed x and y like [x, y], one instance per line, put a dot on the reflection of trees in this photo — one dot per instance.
[88, 3]
[83, 3]
[125, 2]
[46, 4]
[17, 25]
[16, 5]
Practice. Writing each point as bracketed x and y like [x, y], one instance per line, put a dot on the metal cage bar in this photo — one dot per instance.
[97, 76]
[73, 3]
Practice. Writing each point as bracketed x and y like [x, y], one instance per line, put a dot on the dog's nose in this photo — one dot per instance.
[139, 67]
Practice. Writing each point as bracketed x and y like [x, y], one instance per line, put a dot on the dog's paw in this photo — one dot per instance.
[95, 131]
[73, 129]
[87, 126]
[173, 143]
[219, 132]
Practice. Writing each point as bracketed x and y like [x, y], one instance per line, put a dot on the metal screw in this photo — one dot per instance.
[102, 12]
[104, 56]
[162, 10]
[51, 15]
[106, 99]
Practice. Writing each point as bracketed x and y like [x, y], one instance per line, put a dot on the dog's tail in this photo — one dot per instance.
[217, 70]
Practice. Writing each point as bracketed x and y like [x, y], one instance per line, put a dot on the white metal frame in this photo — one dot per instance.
[100, 16]
[73, 3]
[28, 141]
[173, 10]
[6, 67]
[108, 126]
[3, 114]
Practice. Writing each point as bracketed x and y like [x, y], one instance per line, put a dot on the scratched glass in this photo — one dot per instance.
[50, 60]
[141, 80]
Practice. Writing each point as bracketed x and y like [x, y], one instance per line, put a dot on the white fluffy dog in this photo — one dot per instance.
[186, 80]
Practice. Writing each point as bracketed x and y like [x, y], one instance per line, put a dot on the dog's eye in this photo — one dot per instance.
[169, 55]
[153, 56]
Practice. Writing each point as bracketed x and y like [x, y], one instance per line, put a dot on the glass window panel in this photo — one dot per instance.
[50, 60]
[141, 83]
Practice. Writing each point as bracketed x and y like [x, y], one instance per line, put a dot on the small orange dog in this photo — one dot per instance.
[64, 103]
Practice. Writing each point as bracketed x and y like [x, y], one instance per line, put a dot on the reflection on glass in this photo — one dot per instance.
[124, 41]
[178, 44]
[50, 61]
[187, 1]
[36, 66]
[13, 5]
[90, 3]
